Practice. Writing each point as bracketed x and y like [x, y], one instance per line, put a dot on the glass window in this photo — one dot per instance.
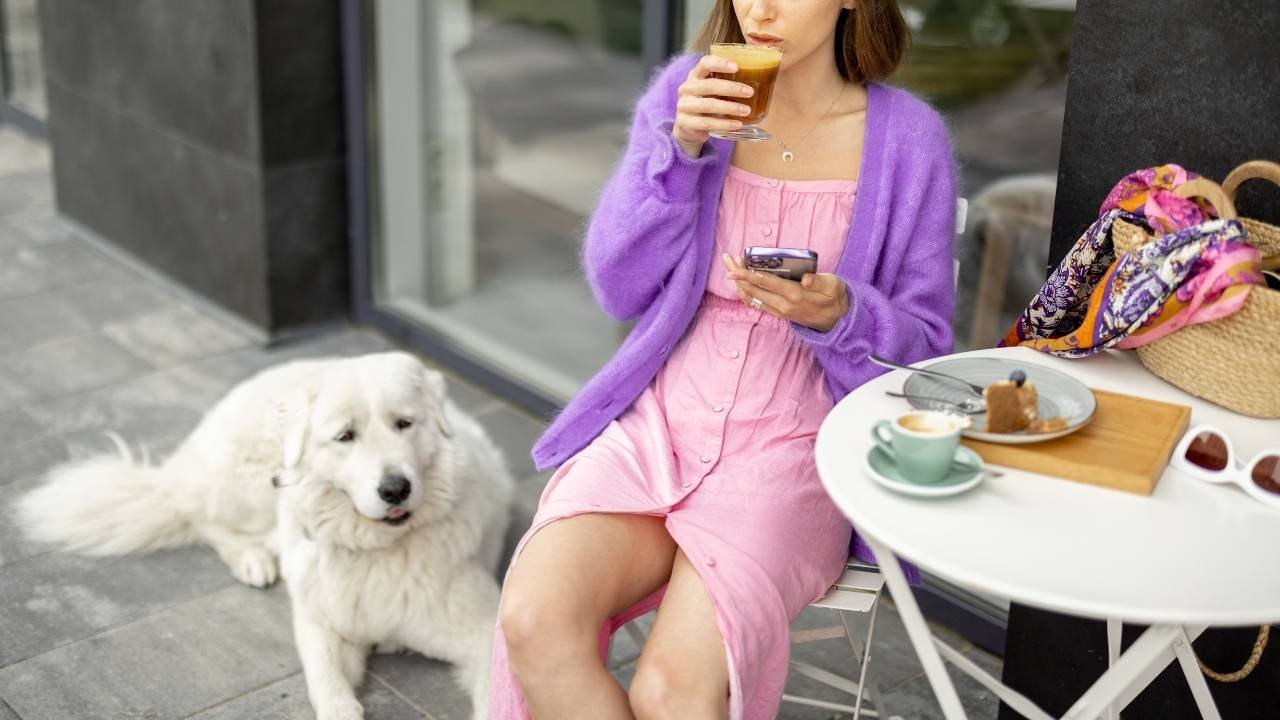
[497, 122]
[22, 64]
[997, 69]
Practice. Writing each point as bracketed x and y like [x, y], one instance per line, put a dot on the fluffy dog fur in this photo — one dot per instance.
[385, 504]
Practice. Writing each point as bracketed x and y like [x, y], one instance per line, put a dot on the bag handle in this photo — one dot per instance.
[1211, 191]
[1264, 169]
[1254, 169]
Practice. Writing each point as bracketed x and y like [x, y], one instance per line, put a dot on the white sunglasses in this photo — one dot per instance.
[1206, 453]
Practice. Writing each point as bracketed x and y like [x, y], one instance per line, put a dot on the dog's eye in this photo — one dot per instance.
[346, 436]
[404, 424]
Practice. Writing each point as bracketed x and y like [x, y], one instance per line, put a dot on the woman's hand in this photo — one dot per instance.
[818, 301]
[699, 110]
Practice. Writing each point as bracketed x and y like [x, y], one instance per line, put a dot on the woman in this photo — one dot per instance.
[686, 479]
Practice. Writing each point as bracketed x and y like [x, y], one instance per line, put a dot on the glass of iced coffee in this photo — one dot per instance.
[757, 67]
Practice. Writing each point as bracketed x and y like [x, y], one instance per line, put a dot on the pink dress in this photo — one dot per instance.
[721, 445]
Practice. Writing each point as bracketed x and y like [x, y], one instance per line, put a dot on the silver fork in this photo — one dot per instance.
[975, 389]
[968, 406]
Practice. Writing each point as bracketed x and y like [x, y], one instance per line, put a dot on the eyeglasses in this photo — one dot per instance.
[1206, 453]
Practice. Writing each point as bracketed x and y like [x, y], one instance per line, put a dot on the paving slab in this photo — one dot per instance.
[424, 682]
[168, 664]
[51, 266]
[287, 700]
[175, 335]
[56, 599]
[71, 366]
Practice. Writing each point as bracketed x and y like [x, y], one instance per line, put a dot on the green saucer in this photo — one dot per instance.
[966, 471]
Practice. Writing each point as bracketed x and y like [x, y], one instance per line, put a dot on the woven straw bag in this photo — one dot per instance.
[1233, 361]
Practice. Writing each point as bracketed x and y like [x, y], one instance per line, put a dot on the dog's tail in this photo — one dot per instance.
[106, 505]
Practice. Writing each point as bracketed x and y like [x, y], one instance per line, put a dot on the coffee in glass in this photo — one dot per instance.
[757, 67]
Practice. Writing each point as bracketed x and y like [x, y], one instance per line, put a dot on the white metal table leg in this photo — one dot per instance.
[918, 631]
[1195, 678]
[1114, 626]
[1131, 673]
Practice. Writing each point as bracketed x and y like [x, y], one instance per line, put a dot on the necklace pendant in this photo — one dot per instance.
[788, 156]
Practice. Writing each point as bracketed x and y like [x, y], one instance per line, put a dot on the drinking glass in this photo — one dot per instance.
[757, 67]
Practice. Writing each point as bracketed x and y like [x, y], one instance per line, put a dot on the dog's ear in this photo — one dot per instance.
[434, 386]
[293, 412]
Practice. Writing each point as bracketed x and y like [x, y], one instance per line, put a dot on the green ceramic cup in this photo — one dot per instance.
[922, 442]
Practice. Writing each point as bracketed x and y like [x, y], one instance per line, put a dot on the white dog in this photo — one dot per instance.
[386, 505]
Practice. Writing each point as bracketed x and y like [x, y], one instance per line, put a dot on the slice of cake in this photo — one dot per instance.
[1011, 405]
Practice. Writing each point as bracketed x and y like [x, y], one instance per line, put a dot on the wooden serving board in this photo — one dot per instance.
[1126, 446]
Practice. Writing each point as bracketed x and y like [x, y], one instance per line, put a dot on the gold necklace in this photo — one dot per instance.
[787, 153]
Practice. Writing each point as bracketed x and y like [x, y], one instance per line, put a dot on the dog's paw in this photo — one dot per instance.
[254, 566]
[346, 709]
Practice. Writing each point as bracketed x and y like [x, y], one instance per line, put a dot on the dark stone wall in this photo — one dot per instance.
[205, 137]
[1182, 81]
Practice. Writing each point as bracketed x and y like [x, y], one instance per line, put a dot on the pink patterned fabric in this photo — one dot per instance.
[1149, 194]
[721, 445]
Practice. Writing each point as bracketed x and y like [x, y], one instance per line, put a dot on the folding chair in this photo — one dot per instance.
[857, 590]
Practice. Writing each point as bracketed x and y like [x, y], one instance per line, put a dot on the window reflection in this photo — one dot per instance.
[22, 64]
[997, 68]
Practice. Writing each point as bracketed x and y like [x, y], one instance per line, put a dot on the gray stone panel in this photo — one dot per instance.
[306, 230]
[299, 80]
[55, 599]
[192, 214]
[184, 68]
[170, 663]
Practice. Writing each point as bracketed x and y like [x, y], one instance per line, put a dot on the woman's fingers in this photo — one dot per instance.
[708, 64]
[716, 88]
[710, 106]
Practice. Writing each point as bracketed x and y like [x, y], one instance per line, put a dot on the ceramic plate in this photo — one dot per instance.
[1058, 394]
[879, 466]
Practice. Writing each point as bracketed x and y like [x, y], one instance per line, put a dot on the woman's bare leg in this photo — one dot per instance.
[683, 671]
[570, 577]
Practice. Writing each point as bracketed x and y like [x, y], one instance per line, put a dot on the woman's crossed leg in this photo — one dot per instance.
[683, 671]
[571, 576]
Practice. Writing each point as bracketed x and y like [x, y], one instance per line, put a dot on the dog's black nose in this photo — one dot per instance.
[394, 488]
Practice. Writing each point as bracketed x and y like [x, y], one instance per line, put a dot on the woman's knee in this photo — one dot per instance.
[537, 622]
[664, 687]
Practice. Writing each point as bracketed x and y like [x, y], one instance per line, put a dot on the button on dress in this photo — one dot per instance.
[720, 445]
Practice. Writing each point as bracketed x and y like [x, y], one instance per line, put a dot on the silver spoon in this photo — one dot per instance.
[968, 406]
[975, 389]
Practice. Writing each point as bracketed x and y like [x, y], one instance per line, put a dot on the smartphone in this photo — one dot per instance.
[788, 263]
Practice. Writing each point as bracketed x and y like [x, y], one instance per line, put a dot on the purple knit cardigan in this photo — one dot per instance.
[650, 243]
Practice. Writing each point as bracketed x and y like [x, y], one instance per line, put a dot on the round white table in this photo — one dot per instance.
[1189, 556]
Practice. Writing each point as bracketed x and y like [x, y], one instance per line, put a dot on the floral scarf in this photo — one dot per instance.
[1094, 301]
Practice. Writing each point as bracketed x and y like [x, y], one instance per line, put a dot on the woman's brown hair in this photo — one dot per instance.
[871, 39]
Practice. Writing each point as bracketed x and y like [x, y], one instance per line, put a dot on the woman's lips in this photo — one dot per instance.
[769, 40]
